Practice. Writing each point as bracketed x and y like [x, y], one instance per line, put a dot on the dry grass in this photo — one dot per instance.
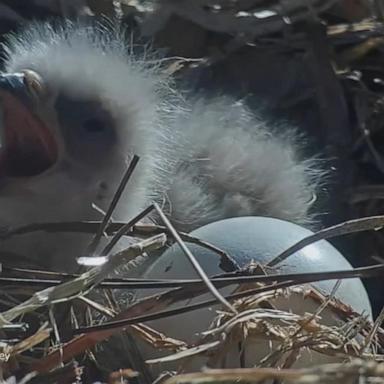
[52, 324]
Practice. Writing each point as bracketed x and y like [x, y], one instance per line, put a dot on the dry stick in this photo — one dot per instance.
[248, 375]
[193, 261]
[312, 277]
[227, 263]
[220, 281]
[88, 340]
[373, 331]
[82, 284]
[347, 227]
[95, 241]
[351, 226]
[356, 371]
[124, 229]
[319, 309]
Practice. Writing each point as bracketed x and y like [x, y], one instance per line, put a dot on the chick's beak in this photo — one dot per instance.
[27, 146]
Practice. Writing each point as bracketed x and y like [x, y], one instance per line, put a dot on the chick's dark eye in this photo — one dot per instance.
[95, 125]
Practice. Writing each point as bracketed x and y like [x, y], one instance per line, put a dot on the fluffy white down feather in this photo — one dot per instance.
[202, 159]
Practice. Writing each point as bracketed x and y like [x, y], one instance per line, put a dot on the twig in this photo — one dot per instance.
[82, 284]
[351, 226]
[193, 261]
[219, 281]
[95, 241]
[183, 294]
[125, 228]
[227, 263]
[373, 331]
[352, 372]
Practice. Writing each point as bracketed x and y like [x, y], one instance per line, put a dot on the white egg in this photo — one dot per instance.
[249, 240]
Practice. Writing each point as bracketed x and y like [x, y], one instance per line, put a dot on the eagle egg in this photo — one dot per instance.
[250, 240]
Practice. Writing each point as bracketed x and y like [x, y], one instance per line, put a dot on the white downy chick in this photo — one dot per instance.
[76, 106]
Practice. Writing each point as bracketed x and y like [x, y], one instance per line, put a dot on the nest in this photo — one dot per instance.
[55, 327]
[89, 312]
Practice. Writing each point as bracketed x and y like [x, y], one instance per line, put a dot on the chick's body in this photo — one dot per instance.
[202, 159]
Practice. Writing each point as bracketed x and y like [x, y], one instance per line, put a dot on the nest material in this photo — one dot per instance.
[282, 334]
[258, 319]
[42, 300]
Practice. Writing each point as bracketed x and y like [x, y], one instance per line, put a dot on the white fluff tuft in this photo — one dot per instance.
[210, 160]
[236, 164]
